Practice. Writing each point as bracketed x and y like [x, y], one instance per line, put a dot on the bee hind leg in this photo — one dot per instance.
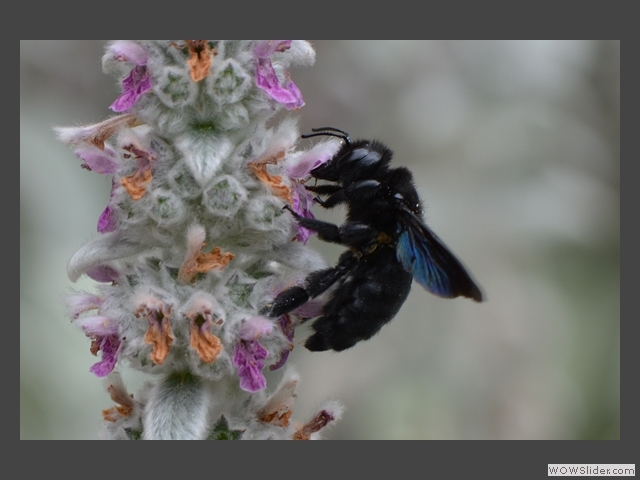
[287, 300]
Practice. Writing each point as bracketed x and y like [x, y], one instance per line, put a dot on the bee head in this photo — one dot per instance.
[355, 161]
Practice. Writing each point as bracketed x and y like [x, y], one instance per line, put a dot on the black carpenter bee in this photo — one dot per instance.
[389, 245]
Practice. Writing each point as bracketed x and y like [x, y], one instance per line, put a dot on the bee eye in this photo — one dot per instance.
[398, 196]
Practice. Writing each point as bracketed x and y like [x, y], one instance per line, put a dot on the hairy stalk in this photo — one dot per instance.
[194, 240]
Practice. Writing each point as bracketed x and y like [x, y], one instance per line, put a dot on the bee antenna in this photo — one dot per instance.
[332, 129]
[329, 131]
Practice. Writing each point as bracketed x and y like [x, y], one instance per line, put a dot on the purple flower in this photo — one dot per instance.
[103, 273]
[288, 328]
[105, 222]
[286, 93]
[103, 332]
[138, 81]
[289, 322]
[110, 346]
[248, 358]
[298, 170]
[254, 328]
[301, 166]
[128, 51]
[133, 87]
[79, 303]
[249, 354]
[301, 202]
[98, 160]
[101, 161]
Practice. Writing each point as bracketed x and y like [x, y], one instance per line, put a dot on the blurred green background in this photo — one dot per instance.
[515, 146]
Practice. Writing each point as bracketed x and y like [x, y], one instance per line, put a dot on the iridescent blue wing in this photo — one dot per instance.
[430, 262]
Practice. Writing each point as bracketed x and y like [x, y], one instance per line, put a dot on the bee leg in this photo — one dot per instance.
[350, 234]
[320, 202]
[334, 199]
[319, 281]
[325, 230]
[316, 283]
[287, 300]
[292, 211]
